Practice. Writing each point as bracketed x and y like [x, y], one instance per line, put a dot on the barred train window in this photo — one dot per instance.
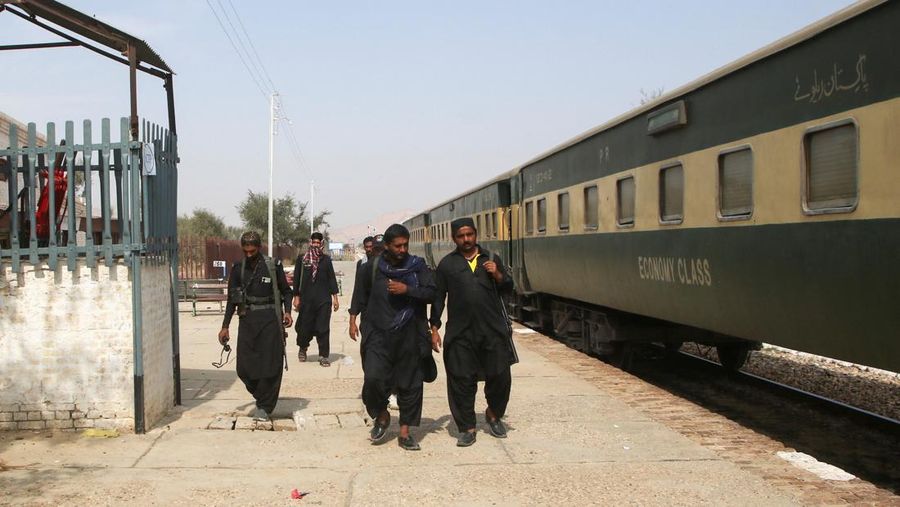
[831, 168]
[591, 207]
[671, 194]
[736, 183]
[542, 215]
[625, 205]
[562, 211]
[494, 222]
[529, 217]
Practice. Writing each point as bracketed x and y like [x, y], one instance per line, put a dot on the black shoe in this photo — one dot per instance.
[465, 439]
[498, 429]
[379, 430]
[409, 443]
[260, 415]
[323, 361]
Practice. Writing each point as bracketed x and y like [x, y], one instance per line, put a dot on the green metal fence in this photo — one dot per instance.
[126, 210]
[128, 191]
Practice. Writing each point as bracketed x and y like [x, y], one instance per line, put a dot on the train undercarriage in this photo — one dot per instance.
[612, 335]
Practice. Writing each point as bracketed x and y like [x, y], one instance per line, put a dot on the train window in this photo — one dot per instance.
[591, 207]
[487, 226]
[671, 194]
[529, 217]
[562, 211]
[478, 223]
[625, 198]
[494, 222]
[831, 168]
[542, 215]
[736, 183]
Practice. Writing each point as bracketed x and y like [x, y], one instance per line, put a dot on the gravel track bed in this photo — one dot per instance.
[871, 389]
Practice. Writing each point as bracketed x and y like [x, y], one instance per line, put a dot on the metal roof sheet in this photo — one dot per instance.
[90, 28]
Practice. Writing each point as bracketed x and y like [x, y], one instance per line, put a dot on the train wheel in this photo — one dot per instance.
[732, 356]
[622, 356]
[672, 348]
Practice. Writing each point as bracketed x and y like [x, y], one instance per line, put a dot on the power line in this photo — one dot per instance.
[259, 74]
[252, 46]
[228, 36]
[237, 36]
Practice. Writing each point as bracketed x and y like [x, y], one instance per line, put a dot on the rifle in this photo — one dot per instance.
[279, 312]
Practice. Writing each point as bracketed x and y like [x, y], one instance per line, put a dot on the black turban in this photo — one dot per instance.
[251, 238]
[395, 231]
[459, 223]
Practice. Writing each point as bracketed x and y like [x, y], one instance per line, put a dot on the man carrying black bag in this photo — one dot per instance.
[478, 338]
[393, 290]
[258, 290]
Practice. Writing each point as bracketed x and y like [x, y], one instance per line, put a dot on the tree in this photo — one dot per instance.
[203, 223]
[232, 232]
[647, 97]
[291, 222]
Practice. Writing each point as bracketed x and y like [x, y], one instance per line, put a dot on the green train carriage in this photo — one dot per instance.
[487, 205]
[757, 204]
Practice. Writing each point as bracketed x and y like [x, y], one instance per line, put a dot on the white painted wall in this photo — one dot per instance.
[67, 347]
[159, 381]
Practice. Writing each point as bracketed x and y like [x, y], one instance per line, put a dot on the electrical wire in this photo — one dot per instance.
[252, 46]
[259, 74]
[228, 36]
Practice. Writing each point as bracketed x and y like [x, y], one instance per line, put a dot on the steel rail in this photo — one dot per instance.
[751, 377]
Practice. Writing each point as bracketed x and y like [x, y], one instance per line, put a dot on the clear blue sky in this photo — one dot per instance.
[396, 105]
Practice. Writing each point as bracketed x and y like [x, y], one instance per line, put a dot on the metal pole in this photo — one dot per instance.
[170, 103]
[176, 339]
[132, 74]
[136, 302]
[312, 206]
[271, 165]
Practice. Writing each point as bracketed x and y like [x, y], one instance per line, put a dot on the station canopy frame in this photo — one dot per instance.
[80, 29]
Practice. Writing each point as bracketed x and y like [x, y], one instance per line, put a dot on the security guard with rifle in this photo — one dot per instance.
[259, 292]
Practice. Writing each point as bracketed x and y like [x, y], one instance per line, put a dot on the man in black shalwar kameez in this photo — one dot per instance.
[396, 342]
[260, 347]
[477, 340]
[315, 296]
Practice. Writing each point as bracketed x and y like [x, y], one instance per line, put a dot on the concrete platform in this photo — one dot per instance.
[570, 443]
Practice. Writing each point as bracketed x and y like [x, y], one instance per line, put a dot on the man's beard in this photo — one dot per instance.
[395, 258]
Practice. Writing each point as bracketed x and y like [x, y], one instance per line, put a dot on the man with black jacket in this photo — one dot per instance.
[477, 340]
[394, 289]
[260, 347]
[315, 297]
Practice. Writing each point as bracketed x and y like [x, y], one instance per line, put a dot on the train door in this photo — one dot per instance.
[429, 255]
[516, 245]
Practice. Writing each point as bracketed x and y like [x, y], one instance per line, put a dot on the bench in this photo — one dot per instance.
[207, 291]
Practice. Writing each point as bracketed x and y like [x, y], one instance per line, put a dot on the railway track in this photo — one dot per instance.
[858, 441]
[837, 406]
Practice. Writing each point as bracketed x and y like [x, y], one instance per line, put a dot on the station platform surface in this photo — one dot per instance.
[580, 432]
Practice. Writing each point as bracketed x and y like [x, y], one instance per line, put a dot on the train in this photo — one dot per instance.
[757, 204]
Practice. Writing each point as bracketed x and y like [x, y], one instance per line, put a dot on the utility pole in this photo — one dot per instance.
[272, 133]
[312, 206]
